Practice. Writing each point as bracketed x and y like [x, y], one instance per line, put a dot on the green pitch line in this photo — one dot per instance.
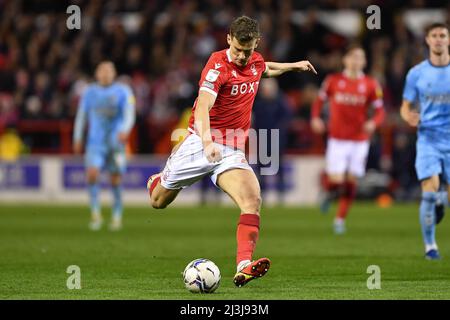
[146, 258]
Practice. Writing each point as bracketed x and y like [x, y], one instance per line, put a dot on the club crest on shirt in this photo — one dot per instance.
[212, 75]
[253, 69]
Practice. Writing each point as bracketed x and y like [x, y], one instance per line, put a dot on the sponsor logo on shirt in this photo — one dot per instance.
[438, 98]
[244, 88]
[349, 99]
[253, 69]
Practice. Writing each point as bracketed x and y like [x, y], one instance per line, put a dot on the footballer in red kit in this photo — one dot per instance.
[235, 90]
[218, 129]
[351, 94]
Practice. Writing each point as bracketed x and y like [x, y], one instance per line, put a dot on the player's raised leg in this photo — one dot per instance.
[243, 187]
[93, 174]
[427, 216]
[160, 197]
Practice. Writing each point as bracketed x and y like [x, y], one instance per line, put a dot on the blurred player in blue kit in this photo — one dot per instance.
[428, 84]
[109, 109]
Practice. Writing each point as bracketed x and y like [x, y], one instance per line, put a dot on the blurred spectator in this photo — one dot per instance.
[11, 146]
[271, 111]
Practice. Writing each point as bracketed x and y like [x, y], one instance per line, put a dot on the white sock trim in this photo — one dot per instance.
[241, 265]
[429, 247]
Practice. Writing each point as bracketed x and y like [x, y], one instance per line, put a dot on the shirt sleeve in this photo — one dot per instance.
[410, 90]
[376, 95]
[213, 76]
[129, 111]
[81, 118]
[323, 95]
[325, 88]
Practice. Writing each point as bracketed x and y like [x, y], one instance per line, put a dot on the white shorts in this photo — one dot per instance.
[188, 164]
[347, 156]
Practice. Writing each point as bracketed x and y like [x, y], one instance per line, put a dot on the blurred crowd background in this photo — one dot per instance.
[159, 48]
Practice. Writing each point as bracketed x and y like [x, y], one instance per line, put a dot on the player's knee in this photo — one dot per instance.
[430, 185]
[92, 177]
[251, 203]
[157, 202]
[158, 205]
[116, 180]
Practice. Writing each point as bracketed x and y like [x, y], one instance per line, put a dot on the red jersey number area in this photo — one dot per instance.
[235, 89]
[349, 104]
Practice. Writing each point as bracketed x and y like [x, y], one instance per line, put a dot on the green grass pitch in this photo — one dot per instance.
[146, 258]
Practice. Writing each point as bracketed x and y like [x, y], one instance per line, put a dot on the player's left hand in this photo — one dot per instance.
[304, 65]
[369, 127]
[123, 137]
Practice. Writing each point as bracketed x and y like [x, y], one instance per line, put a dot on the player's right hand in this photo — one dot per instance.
[212, 152]
[411, 117]
[318, 126]
[77, 147]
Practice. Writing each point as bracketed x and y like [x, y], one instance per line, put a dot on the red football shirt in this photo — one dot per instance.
[235, 89]
[349, 102]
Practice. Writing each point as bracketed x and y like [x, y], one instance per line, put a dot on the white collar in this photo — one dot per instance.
[228, 55]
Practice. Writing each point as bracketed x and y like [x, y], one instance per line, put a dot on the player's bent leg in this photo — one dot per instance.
[430, 187]
[93, 174]
[442, 203]
[243, 187]
[332, 190]
[345, 201]
[160, 197]
[336, 157]
[117, 208]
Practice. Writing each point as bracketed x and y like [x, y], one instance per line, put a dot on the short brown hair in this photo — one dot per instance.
[434, 26]
[352, 46]
[245, 29]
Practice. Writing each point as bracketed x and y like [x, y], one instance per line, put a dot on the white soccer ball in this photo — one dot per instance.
[201, 276]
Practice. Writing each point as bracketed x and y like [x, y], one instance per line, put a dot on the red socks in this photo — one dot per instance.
[246, 236]
[346, 199]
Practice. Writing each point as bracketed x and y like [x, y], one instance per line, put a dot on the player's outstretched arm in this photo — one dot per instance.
[274, 69]
[410, 116]
[205, 102]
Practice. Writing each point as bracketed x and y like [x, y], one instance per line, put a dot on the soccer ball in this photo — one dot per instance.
[201, 276]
